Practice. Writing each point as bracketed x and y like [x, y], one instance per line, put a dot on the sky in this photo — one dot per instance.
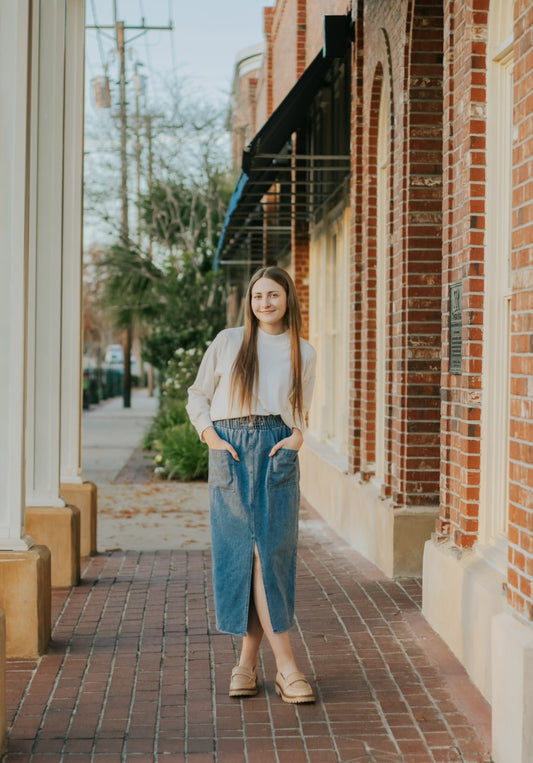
[200, 51]
[202, 47]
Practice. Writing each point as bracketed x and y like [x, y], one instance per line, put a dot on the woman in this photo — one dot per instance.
[249, 403]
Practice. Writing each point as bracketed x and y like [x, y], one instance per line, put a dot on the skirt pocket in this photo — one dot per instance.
[221, 469]
[284, 469]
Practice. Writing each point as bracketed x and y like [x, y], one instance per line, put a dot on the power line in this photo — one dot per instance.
[147, 47]
[98, 38]
[172, 40]
[120, 29]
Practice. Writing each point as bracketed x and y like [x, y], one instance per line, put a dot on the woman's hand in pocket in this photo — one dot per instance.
[293, 442]
[214, 442]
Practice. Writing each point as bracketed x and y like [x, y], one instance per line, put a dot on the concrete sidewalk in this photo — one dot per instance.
[138, 672]
[135, 510]
[111, 433]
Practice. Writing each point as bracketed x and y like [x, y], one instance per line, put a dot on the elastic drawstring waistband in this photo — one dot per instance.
[251, 422]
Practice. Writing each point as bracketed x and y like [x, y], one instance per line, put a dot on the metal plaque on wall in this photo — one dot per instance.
[456, 327]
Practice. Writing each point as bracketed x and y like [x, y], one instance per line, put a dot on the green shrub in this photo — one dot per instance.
[181, 454]
[181, 372]
[170, 414]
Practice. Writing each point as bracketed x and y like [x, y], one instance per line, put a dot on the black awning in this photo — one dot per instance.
[267, 160]
[290, 114]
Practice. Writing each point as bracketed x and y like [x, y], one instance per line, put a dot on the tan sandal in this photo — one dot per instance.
[294, 688]
[243, 682]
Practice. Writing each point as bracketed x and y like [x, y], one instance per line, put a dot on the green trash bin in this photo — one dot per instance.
[85, 390]
[94, 398]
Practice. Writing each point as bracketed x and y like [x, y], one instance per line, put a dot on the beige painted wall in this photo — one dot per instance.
[393, 539]
[462, 592]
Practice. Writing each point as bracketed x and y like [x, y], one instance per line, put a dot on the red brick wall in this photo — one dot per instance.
[402, 53]
[355, 408]
[520, 578]
[315, 22]
[463, 250]
[417, 264]
[268, 63]
[295, 30]
[301, 36]
[463, 240]
[284, 47]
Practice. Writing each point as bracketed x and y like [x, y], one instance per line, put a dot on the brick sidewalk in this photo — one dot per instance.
[137, 671]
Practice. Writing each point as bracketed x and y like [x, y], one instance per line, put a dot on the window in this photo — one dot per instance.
[382, 241]
[495, 412]
[329, 292]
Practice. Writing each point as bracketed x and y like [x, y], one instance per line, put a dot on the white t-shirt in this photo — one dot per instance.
[210, 398]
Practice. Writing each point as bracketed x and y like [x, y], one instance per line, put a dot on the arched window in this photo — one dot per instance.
[382, 255]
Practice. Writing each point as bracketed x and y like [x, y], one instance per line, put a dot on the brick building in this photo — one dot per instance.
[391, 172]
[242, 114]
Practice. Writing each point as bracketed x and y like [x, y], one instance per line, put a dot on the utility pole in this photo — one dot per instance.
[138, 148]
[124, 228]
[120, 29]
[138, 157]
[150, 175]
[148, 118]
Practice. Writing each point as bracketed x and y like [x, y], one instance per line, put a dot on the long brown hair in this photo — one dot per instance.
[245, 367]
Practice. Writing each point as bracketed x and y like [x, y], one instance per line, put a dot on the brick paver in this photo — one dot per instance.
[137, 671]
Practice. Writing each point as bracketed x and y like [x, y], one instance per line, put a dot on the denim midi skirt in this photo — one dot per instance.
[254, 501]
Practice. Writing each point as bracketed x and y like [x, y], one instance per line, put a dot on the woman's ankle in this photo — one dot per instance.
[287, 668]
[247, 662]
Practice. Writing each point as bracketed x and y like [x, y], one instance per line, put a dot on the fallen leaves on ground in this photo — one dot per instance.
[144, 516]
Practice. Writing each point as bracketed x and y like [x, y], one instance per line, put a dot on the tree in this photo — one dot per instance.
[98, 329]
[183, 145]
[190, 300]
[161, 281]
[129, 286]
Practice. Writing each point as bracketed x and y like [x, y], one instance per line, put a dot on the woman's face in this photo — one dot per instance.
[269, 305]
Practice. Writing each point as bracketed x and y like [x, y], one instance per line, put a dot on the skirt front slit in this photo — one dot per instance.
[253, 501]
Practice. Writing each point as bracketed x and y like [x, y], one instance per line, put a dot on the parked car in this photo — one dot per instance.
[114, 354]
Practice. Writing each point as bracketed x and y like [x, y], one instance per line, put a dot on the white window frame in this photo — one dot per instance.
[329, 301]
[494, 479]
[382, 254]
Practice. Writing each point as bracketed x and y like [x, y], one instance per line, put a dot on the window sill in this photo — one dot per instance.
[494, 554]
[327, 452]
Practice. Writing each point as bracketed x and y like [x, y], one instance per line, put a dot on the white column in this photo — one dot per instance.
[45, 283]
[72, 324]
[14, 126]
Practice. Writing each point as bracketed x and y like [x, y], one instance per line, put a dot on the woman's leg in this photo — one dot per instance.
[254, 635]
[259, 623]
